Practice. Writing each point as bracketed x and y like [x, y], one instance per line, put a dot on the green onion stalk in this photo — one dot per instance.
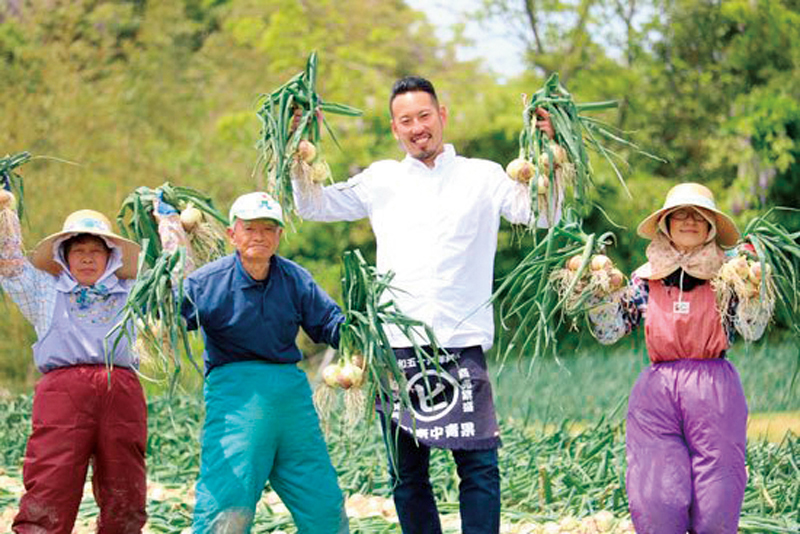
[367, 367]
[153, 309]
[778, 252]
[206, 236]
[292, 117]
[564, 162]
[154, 303]
[11, 181]
[531, 302]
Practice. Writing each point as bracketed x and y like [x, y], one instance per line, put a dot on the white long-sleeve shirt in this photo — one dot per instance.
[436, 229]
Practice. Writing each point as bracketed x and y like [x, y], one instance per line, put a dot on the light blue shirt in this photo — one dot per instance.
[72, 321]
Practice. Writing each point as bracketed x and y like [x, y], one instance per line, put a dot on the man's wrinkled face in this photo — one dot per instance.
[256, 240]
[418, 124]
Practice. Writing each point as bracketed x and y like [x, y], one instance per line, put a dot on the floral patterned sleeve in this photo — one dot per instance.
[34, 291]
[616, 315]
[12, 259]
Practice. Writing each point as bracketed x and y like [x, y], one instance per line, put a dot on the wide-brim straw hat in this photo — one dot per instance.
[85, 222]
[695, 195]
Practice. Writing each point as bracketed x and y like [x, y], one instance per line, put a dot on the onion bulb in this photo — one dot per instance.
[330, 375]
[601, 263]
[350, 376]
[574, 262]
[521, 170]
[306, 150]
[604, 521]
[358, 361]
[542, 185]
[320, 172]
[559, 156]
[191, 217]
[7, 200]
[615, 279]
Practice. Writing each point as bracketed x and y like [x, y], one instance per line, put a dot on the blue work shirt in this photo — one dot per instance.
[243, 319]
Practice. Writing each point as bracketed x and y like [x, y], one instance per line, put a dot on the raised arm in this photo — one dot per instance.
[344, 201]
[32, 290]
[171, 232]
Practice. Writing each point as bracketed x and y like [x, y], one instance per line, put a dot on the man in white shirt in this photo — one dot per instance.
[436, 217]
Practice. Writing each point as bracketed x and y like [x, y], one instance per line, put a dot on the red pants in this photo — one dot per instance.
[80, 416]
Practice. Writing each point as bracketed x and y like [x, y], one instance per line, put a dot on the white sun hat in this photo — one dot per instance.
[256, 205]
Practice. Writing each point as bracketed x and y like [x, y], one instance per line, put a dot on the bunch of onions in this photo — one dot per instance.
[348, 375]
[153, 309]
[557, 155]
[206, 236]
[742, 278]
[308, 167]
[564, 159]
[200, 220]
[586, 278]
[746, 294]
[292, 119]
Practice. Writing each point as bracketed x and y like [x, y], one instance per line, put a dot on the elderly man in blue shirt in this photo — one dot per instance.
[260, 420]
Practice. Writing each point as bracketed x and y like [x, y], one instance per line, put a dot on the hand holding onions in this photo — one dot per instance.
[582, 284]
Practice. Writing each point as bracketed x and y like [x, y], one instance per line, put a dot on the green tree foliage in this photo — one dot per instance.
[139, 92]
[713, 87]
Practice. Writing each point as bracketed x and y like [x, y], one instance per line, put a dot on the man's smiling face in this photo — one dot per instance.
[418, 124]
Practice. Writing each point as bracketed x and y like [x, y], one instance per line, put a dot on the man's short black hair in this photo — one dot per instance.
[409, 84]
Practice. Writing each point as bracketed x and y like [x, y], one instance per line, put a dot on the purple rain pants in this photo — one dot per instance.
[686, 438]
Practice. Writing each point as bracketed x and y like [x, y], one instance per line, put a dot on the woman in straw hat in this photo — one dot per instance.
[687, 413]
[88, 405]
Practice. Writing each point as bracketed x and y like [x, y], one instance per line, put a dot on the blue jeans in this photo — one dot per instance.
[479, 489]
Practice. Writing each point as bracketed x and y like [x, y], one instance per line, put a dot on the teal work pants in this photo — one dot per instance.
[261, 426]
